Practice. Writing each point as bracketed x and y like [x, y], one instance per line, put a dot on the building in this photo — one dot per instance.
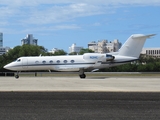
[154, 52]
[29, 40]
[3, 50]
[75, 48]
[1, 39]
[104, 46]
[93, 46]
[53, 50]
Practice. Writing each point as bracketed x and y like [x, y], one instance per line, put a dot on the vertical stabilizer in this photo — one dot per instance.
[134, 44]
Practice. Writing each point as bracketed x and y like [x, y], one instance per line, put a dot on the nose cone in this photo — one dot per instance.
[7, 67]
[13, 66]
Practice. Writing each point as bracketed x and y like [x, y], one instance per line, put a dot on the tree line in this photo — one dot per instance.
[144, 64]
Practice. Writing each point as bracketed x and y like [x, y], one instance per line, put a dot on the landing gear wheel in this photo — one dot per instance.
[16, 76]
[82, 76]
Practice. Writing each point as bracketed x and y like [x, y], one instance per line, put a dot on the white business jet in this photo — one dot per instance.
[130, 51]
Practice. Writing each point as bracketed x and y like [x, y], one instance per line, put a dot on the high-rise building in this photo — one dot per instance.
[74, 48]
[1, 39]
[104, 46]
[93, 46]
[3, 50]
[29, 40]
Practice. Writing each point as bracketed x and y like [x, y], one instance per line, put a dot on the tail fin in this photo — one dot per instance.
[134, 44]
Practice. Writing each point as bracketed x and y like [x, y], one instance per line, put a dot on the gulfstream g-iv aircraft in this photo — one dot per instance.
[130, 51]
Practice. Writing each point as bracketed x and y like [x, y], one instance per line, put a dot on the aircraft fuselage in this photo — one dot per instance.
[67, 63]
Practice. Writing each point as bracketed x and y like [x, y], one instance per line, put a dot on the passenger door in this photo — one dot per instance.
[25, 63]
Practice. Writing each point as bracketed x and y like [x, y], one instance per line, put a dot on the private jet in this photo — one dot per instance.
[129, 52]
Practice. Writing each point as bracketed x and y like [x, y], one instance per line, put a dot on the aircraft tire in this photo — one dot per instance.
[16, 76]
[82, 76]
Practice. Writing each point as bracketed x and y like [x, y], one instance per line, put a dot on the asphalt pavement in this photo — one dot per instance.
[80, 105]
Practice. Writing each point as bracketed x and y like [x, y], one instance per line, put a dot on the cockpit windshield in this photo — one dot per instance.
[18, 60]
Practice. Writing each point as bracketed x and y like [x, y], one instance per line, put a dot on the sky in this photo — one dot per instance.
[60, 23]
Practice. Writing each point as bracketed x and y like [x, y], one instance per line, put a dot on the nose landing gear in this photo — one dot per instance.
[17, 75]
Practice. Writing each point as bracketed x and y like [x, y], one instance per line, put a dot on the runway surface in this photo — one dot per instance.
[72, 98]
[96, 84]
[79, 106]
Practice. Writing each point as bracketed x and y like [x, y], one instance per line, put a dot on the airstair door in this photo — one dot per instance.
[25, 63]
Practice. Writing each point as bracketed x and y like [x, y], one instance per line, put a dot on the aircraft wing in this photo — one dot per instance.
[73, 68]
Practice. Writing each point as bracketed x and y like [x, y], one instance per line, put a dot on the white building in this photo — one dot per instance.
[93, 46]
[29, 40]
[53, 50]
[154, 52]
[3, 50]
[104, 47]
[75, 48]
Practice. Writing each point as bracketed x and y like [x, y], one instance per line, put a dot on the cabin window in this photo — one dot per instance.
[51, 61]
[72, 61]
[65, 61]
[58, 61]
[44, 62]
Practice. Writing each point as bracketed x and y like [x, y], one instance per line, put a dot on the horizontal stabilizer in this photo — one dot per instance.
[142, 36]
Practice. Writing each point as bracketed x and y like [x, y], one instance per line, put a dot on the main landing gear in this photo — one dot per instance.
[81, 73]
[17, 75]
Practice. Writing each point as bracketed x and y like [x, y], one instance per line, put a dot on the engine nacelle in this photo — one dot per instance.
[94, 57]
[98, 57]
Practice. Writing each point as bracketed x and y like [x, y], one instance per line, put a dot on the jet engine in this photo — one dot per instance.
[109, 57]
[98, 57]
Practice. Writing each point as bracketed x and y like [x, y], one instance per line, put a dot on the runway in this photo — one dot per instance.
[79, 106]
[92, 84]
[72, 98]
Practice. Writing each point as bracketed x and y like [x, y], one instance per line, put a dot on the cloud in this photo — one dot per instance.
[62, 13]
[27, 13]
[41, 29]
[91, 2]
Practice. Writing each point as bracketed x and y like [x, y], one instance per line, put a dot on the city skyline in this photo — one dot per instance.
[59, 24]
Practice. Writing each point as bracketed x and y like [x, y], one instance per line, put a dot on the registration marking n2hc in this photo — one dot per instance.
[93, 57]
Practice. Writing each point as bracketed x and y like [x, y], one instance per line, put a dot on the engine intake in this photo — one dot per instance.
[109, 57]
